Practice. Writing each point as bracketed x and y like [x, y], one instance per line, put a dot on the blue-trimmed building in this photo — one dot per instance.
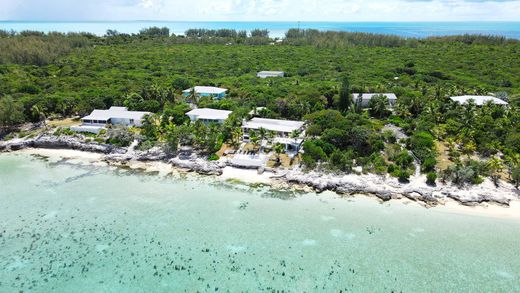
[207, 91]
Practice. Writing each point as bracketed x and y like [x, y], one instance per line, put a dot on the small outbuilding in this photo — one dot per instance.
[478, 100]
[206, 91]
[266, 74]
[365, 98]
[207, 116]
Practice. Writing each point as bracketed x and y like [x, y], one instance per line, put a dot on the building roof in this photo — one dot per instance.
[390, 96]
[115, 112]
[479, 100]
[273, 124]
[271, 72]
[209, 114]
[206, 90]
[286, 140]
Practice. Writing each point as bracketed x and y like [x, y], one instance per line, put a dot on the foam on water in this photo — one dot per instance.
[115, 231]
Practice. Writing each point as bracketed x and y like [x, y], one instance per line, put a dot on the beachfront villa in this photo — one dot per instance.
[266, 74]
[283, 130]
[365, 98]
[206, 91]
[478, 100]
[98, 119]
[207, 116]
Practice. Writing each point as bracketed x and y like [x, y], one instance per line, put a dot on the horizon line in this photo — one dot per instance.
[259, 21]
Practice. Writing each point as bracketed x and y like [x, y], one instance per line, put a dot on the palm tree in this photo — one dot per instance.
[295, 134]
[262, 133]
[359, 103]
[495, 165]
[193, 96]
[278, 148]
[200, 133]
[378, 106]
[469, 148]
[236, 136]
[254, 138]
[271, 135]
[512, 162]
[38, 113]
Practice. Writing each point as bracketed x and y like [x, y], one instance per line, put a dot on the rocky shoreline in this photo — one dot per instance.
[383, 187]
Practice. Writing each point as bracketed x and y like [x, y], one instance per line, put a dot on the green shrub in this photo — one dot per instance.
[341, 161]
[403, 176]
[421, 143]
[63, 131]
[515, 175]
[146, 145]
[469, 172]
[213, 157]
[120, 136]
[431, 177]
[429, 164]
[404, 159]
[308, 161]
[313, 153]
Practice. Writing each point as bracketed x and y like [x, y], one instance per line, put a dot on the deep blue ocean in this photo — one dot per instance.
[278, 29]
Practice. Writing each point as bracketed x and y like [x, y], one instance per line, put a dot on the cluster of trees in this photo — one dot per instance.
[11, 112]
[172, 128]
[148, 71]
[155, 32]
[226, 33]
[37, 48]
[474, 39]
[332, 39]
[337, 139]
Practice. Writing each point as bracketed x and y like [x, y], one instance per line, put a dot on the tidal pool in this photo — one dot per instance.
[83, 228]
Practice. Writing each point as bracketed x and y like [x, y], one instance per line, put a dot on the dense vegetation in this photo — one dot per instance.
[53, 75]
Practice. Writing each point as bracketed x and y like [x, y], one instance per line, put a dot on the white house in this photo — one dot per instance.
[206, 91]
[479, 100]
[282, 128]
[207, 115]
[365, 98]
[98, 119]
[266, 74]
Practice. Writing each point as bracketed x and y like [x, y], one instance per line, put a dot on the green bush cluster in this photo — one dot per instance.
[63, 75]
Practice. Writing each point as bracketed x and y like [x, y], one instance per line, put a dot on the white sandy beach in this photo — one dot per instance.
[252, 177]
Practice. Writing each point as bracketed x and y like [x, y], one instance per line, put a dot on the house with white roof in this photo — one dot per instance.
[478, 100]
[365, 98]
[98, 119]
[266, 74]
[282, 129]
[208, 116]
[206, 91]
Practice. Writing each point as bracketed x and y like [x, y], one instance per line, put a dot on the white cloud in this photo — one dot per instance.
[147, 3]
[262, 10]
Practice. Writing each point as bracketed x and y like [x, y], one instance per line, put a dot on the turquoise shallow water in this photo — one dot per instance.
[70, 228]
[278, 29]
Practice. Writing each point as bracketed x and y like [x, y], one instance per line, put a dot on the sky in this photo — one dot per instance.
[262, 10]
